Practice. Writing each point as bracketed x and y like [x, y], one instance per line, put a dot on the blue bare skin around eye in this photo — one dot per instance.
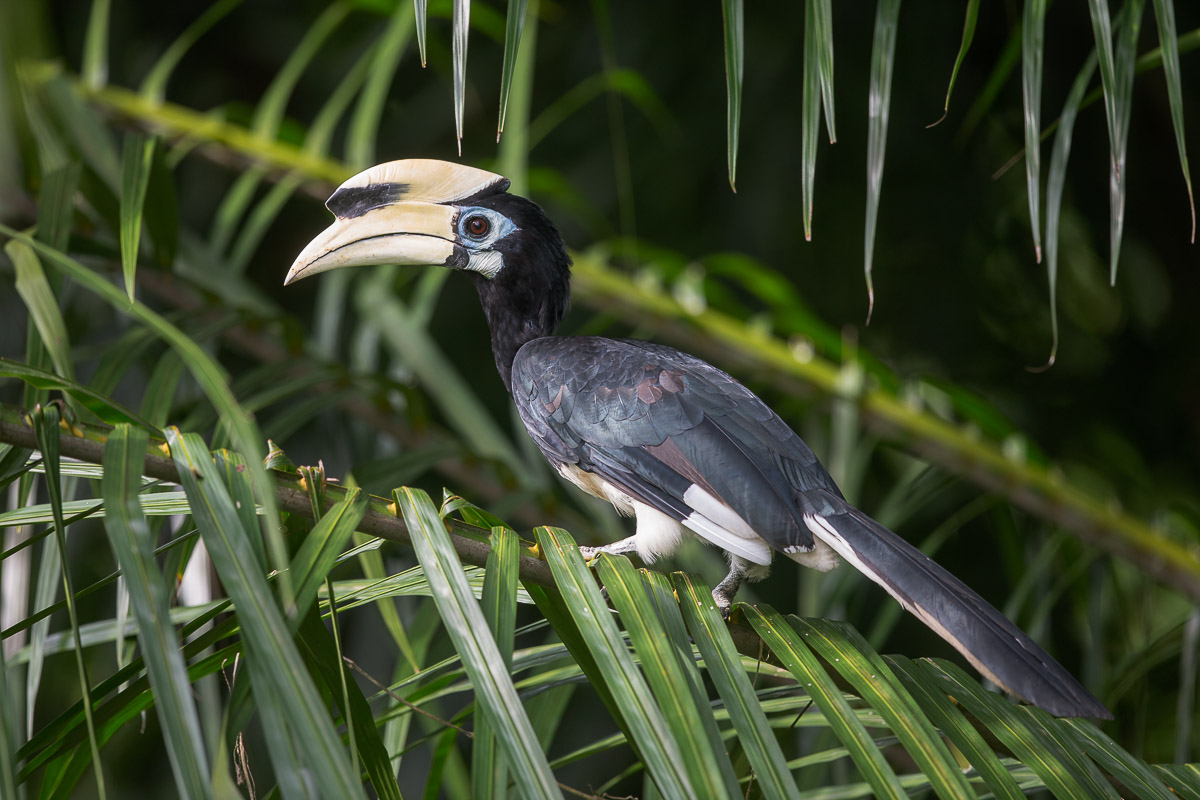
[501, 226]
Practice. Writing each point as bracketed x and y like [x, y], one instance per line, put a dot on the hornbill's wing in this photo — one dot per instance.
[679, 435]
[674, 433]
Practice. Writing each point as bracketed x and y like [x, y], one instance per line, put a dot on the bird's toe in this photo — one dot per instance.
[724, 603]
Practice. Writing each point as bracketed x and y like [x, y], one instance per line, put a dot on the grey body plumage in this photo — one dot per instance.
[662, 435]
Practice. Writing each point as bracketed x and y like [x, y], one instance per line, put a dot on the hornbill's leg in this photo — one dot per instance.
[626, 545]
[739, 570]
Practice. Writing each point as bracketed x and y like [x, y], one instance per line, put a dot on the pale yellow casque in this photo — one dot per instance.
[414, 226]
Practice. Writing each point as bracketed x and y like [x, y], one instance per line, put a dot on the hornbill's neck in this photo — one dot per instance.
[528, 297]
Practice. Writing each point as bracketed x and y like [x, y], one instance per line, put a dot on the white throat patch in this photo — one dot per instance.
[487, 263]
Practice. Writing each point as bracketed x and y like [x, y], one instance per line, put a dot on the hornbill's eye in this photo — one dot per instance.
[477, 226]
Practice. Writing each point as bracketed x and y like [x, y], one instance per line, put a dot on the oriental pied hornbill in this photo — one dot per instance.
[662, 435]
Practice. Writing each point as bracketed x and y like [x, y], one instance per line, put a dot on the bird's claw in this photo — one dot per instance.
[724, 604]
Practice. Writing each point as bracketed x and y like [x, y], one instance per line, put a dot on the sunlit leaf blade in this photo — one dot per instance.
[1010, 725]
[124, 455]
[1183, 779]
[1132, 772]
[1123, 64]
[825, 41]
[462, 25]
[1102, 31]
[159, 504]
[489, 772]
[514, 23]
[39, 299]
[513, 158]
[650, 733]
[811, 111]
[732, 16]
[154, 86]
[10, 734]
[13, 464]
[883, 57]
[724, 667]
[278, 675]
[481, 657]
[662, 593]
[997, 80]
[1033, 44]
[1164, 13]
[321, 652]
[799, 660]
[1073, 756]
[420, 12]
[968, 35]
[95, 45]
[364, 122]
[56, 205]
[208, 375]
[46, 421]
[661, 664]
[949, 719]
[1055, 182]
[844, 648]
[323, 545]
[1116, 79]
[136, 160]
[553, 607]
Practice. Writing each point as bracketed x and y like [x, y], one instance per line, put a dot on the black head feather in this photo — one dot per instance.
[526, 299]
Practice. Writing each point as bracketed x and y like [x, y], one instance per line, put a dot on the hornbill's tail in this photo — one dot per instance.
[995, 646]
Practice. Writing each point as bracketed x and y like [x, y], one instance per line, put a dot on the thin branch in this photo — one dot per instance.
[405, 701]
[86, 443]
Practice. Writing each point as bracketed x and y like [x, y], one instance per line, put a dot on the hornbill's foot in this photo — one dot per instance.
[728, 587]
[724, 602]
[590, 554]
[628, 545]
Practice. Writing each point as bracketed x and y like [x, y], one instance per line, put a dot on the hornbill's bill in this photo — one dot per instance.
[662, 435]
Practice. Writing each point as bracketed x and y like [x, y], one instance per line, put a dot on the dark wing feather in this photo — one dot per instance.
[655, 422]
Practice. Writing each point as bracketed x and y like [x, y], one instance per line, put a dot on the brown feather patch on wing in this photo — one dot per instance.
[669, 453]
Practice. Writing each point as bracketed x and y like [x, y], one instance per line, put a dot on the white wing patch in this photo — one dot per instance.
[716, 522]
[728, 531]
[704, 503]
[754, 550]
